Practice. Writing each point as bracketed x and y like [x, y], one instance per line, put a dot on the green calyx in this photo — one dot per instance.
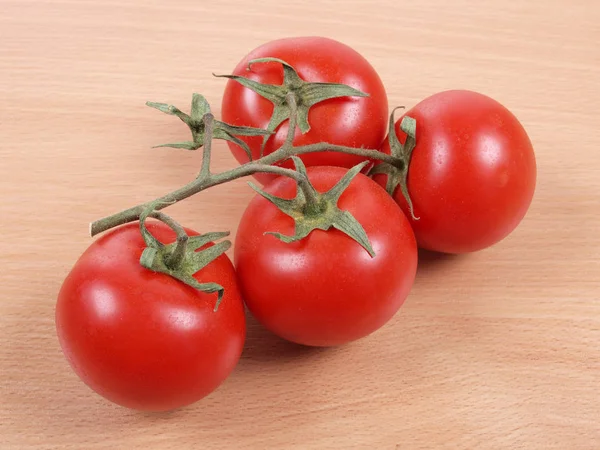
[398, 176]
[182, 259]
[306, 94]
[312, 210]
[196, 123]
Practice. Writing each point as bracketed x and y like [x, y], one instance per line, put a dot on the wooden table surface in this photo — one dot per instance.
[494, 350]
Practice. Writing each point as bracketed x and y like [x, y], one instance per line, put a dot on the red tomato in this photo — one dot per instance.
[350, 121]
[325, 289]
[472, 174]
[142, 339]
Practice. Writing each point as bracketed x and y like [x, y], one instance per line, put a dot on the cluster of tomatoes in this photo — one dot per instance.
[147, 341]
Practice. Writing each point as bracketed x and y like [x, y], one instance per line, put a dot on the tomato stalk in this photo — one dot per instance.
[304, 185]
[206, 179]
[319, 211]
[176, 257]
[183, 258]
[206, 152]
[305, 95]
[397, 176]
[310, 209]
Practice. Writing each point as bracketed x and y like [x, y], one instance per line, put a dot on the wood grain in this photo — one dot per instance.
[495, 350]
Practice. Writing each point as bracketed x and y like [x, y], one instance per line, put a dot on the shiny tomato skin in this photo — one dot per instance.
[142, 339]
[350, 121]
[472, 174]
[325, 289]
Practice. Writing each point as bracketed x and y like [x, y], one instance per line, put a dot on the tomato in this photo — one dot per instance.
[350, 121]
[325, 289]
[142, 339]
[472, 174]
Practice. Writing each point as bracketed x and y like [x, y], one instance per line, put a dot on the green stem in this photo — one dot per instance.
[208, 134]
[310, 195]
[198, 185]
[172, 223]
[133, 213]
[321, 147]
[206, 180]
[179, 253]
[290, 99]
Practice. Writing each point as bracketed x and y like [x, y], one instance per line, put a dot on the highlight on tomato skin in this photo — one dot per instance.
[472, 173]
[350, 121]
[325, 289]
[145, 340]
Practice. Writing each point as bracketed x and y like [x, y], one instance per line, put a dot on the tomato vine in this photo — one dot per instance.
[205, 129]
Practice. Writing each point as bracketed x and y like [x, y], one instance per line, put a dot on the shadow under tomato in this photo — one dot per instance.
[265, 347]
[164, 415]
[432, 261]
